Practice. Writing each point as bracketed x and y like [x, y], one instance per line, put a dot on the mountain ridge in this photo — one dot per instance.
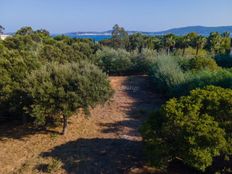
[201, 30]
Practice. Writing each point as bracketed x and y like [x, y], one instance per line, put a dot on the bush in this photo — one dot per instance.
[166, 74]
[176, 76]
[14, 67]
[200, 63]
[142, 61]
[224, 60]
[201, 79]
[194, 128]
[114, 62]
[59, 90]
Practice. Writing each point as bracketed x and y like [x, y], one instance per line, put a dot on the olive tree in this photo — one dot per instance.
[60, 89]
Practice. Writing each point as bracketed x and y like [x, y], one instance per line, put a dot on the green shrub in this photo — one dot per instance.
[224, 60]
[14, 67]
[194, 128]
[166, 74]
[200, 63]
[114, 62]
[59, 90]
[142, 61]
[201, 79]
[176, 76]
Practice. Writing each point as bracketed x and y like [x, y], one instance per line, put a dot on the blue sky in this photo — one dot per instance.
[59, 16]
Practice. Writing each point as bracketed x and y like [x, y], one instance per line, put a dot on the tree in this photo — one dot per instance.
[59, 90]
[14, 67]
[25, 31]
[43, 32]
[136, 41]
[214, 42]
[194, 128]
[226, 42]
[184, 42]
[120, 37]
[192, 36]
[1, 29]
[200, 42]
[169, 42]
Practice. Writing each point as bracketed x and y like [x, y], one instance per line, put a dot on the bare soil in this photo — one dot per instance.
[107, 142]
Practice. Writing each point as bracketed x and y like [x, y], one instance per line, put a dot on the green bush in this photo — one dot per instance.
[166, 73]
[200, 63]
[14, 67]
[59, 90]
[114, 62]
[194, 128]
[224, 60]
[201, 79]
[142, 61]
[176, 76]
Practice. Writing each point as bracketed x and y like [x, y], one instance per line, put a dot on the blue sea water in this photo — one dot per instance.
[94, 37]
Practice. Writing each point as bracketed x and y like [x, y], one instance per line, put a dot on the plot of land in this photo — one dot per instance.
[107, 142]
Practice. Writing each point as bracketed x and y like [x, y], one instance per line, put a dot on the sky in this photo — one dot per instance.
[61, 16]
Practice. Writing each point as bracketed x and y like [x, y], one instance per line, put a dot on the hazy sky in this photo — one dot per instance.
[99, 15]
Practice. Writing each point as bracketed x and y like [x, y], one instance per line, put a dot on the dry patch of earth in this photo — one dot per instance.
[108, 142]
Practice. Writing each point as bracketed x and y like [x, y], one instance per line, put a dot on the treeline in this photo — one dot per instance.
[215, 43]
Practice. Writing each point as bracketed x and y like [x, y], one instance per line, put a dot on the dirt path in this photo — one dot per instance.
[107, 142]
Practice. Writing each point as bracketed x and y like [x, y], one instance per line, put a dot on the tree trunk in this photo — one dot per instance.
[183, 53]
[24, 119]
[65, 124]
[197, 51]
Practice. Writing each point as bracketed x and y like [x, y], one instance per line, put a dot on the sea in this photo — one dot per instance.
[96, 38]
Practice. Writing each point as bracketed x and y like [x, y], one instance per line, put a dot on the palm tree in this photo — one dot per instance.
[226, 34]
[214, 41]
[226, 42]
[169, 42]
[184, 43]
[200, 42]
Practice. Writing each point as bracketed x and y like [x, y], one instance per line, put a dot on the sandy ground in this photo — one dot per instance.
[106, 142]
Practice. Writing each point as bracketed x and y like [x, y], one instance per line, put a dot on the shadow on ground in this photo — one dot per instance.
[116, 155]
[97, 156]
[17, 130]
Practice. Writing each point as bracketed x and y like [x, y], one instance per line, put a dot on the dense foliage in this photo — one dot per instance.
[176, 76]
[59, 90]
[44, 77]
[122, 62]
[194, 128]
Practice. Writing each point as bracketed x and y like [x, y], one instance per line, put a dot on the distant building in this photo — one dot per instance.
[3, 36]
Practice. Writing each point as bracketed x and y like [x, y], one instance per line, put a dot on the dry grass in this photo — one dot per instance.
[110, 136]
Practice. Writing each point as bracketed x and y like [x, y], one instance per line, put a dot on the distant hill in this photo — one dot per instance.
[198, 29]
[177, 31]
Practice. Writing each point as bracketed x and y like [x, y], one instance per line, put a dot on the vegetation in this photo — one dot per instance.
[194, 128]
[176, 76]
[59, 90]
[47, 79]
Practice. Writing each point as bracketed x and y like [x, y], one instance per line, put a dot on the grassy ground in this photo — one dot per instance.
[107, 142]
